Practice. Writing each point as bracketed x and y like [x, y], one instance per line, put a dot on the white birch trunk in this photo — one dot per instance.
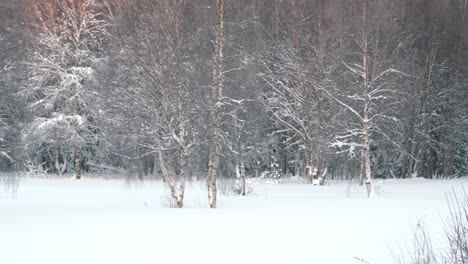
[365, 121]
[216, 108]
[168, 174]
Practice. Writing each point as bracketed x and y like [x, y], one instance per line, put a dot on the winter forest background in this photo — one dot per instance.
[286, 115]
[188, 90]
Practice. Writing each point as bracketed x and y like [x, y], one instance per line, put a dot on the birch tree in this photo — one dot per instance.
[152, 92]
[216, 104]
[371, 70]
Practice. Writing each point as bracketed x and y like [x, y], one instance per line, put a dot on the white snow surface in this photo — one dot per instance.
[56, 221]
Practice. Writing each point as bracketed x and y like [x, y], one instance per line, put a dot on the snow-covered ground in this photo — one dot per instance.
[57, 221]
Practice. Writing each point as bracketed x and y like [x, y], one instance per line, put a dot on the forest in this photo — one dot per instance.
[185, 90]
[286, 116]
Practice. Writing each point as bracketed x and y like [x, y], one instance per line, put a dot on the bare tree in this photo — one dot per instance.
[372, 67]
[296, 71]
[153, 91]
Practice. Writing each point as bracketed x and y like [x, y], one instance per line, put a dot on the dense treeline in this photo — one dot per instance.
[185, 89]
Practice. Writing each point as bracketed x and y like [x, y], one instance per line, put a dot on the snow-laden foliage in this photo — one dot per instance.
[61, 89]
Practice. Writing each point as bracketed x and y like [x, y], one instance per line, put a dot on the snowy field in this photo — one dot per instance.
[64, 221]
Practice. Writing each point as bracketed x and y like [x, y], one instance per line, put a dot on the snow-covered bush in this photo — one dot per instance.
[274, 172]
[230, 187]
[456, 229]
[34, 169]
